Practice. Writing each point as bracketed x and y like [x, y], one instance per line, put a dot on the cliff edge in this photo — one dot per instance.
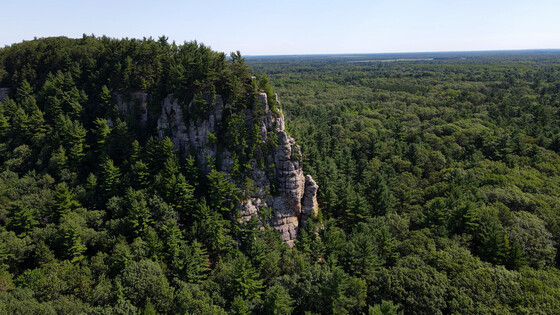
[280, 187]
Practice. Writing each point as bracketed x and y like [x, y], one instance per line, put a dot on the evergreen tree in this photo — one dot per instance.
[138, 216]
[277, 301]
[24, 96]
[516, 258]
[180, 194]
[222, 192]
[110, 178]
[101, 133]
[106, 104]
[22, 218]
[58, 162]
[192, 264]
[380, 197]
[140, 175]
[72, 136]
[5, 126]
[172, 240]
[63, 201]
[75, 248]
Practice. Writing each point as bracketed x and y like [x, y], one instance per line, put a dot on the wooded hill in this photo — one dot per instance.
[438, 182]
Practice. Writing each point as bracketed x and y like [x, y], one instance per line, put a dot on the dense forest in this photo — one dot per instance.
[439, 183]
[439, 177]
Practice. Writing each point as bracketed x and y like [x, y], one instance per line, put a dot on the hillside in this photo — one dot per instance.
[144, 177]
[155, 162]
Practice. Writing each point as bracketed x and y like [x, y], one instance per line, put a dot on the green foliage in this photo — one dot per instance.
[144, 281]
[192, 263]
[277, 301]
[238, 278]
[439, 182]
[385, 308]
[63, 201]
[110, 177]
[222, 192]
[23, 218]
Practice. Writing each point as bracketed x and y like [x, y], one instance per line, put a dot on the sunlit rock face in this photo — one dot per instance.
[294, 198]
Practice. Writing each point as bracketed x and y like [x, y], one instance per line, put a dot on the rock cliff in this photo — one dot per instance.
[137, 103]
[294, 198]
[4, 93]
[281, 187]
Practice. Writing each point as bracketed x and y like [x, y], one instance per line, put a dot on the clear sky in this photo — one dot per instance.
[279, 27]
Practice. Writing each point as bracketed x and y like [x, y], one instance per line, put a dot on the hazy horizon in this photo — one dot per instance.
[299, 27]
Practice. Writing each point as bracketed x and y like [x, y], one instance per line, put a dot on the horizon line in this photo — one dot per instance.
[406, 52]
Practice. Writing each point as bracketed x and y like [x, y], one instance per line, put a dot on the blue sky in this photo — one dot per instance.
[297, 27]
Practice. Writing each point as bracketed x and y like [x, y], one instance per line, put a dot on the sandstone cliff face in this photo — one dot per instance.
[295, 197]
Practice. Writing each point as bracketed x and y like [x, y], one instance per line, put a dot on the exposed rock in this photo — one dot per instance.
[192, 135]
[4, 93]
[138, 104]
[294, 198]
[309, 204]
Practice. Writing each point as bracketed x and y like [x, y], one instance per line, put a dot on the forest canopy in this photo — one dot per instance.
[439, 184]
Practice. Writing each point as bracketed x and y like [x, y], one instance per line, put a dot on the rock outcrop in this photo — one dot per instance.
[294, 198]
[137, 103]
[194, 136]
[4, 93]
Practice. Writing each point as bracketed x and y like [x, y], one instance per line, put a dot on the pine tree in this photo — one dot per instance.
[4, 125]
[110, 178]
[380, 197]
[21, 126]
[24, 96]
[140, 175]
[277, 301]
[210, 228]
[192, 264]
[62, 97]
[120, 142]
[180, 194]
[58, 162]
[191, 171]
[516, 258]
[494, 243]
[63, 201]
[72, 135]
[108, 107]
[101, 133]
[138, 217]
[22, 218]
[37, 125]
[245, 280]
[222, 192]
[75, 248]
[172, 239]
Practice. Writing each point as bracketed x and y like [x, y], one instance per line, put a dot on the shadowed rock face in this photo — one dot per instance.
[137, 103]
[295, 197]
[4, 93]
